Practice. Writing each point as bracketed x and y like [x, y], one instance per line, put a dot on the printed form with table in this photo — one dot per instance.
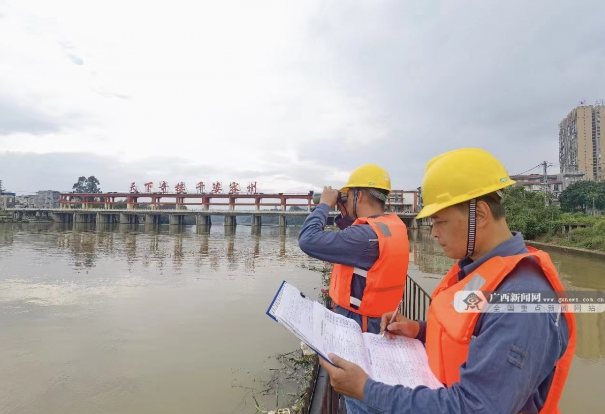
[391, 361]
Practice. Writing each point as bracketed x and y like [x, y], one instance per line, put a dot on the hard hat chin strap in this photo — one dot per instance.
[472, 227]
[355, 203]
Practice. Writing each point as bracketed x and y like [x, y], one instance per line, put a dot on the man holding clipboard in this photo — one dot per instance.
[497, 363]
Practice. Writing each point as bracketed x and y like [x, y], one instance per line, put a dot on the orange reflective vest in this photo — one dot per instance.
[448, 331]
[385, 280]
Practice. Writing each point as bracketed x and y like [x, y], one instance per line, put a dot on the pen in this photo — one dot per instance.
[392, 317]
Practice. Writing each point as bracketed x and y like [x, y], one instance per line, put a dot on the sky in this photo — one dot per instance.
[292, 95]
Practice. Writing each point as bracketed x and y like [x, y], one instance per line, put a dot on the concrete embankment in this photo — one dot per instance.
[566, 249]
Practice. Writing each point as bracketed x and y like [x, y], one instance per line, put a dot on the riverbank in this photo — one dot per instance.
[566, 249]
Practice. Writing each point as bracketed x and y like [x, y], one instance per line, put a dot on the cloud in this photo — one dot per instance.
[22, 118]
[26, 173]
[292, 95]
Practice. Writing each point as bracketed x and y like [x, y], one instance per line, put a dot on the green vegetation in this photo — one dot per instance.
[538, 218]
[583, 196]
[87, 185]
[528, 212]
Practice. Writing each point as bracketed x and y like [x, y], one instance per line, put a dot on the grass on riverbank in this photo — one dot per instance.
[591, 237]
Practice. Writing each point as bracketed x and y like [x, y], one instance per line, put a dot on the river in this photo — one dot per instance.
[124, 319]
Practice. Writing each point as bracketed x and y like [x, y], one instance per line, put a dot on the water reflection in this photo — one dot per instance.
[157, 245]
[126, 316]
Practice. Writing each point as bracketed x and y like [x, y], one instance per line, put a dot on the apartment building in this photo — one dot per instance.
[581, 142]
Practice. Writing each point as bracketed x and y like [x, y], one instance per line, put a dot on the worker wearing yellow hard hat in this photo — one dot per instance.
[491, 359]
[370, 254]
[367, 280]
[368, 176]
[459, 176]
[462, 176]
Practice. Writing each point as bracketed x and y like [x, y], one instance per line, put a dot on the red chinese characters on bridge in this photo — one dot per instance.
[251, 188]
[217, 188]
[163, 187]
[180, 188]
[200, 187]
[233, 188]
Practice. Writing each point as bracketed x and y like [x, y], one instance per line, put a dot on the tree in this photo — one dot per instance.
[92, 185]
[528, 212]
[87, 185]
[582, 195]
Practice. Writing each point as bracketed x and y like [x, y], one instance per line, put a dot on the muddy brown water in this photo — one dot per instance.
[121, 319]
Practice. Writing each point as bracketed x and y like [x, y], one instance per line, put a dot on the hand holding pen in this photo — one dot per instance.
[400, 325]
[392, 317]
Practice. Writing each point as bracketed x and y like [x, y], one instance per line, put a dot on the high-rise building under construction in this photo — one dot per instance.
[581, 142]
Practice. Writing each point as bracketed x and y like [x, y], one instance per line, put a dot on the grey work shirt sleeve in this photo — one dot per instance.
[355, 246]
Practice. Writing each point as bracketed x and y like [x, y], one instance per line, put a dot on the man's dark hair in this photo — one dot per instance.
[493, 201]
[373, 199]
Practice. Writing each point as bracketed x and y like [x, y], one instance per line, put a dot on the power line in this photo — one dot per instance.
[539, 165]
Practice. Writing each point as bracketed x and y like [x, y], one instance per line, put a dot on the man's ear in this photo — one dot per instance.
[483, 213]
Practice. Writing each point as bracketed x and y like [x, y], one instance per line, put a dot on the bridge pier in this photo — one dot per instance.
[257, 220]
[176, 219]
[152, 219]
[127, 219]
[282, 221]
[83, 218]
[230, 221]
[104, 218]
[203, 220]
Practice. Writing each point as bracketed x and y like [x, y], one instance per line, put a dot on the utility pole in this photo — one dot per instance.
[545, 178]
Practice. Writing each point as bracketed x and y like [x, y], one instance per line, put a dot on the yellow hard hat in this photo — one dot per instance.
[368, 176]
[458, 176]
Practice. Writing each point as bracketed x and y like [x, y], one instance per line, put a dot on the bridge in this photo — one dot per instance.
[148, 208]
[175, 217]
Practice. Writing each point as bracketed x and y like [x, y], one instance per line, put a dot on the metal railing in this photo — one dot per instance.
[416, 301]
[327, 401]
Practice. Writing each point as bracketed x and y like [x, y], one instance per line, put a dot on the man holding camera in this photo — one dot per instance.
[370, 253]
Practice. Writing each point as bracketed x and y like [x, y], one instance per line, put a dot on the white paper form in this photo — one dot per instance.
[295, 312]
[340, 335]
[399, 361]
